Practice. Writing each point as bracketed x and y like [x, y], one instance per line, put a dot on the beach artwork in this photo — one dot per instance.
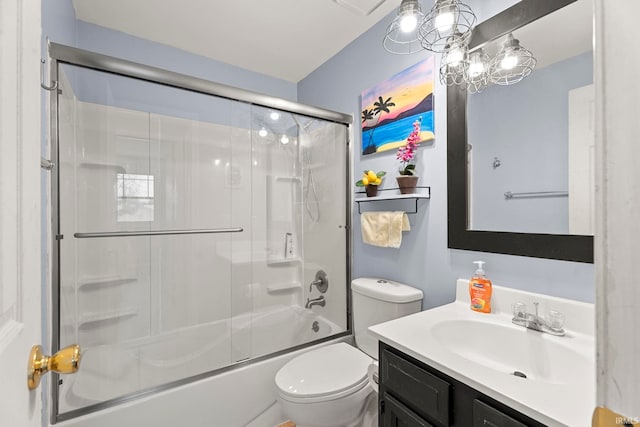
[390, 108]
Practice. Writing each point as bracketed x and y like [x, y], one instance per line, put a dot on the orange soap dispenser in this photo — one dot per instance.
[480, 290]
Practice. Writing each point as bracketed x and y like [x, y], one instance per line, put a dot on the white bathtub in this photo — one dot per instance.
[109, 371]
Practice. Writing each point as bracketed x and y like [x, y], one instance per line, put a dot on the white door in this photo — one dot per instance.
[20, 304]
[582, 141]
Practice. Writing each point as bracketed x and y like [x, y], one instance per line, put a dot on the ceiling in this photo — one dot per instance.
[286, 39]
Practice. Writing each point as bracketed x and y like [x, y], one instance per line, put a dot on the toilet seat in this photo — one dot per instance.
[323, 374]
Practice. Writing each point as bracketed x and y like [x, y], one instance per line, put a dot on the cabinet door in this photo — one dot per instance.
[395, 414]
[486, 416]
[421, 390]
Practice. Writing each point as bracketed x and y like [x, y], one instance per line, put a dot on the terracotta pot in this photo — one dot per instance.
[407, 183]
[372, 190]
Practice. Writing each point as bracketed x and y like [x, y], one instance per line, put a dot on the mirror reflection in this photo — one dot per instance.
[531, 144]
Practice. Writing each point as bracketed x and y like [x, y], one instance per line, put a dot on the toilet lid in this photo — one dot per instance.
[325, 371]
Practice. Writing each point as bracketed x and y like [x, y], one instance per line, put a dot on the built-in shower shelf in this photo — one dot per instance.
[92, 320]
[282, 287]
[280, 261]
[393, 194]
[91, 283]
[287, 178]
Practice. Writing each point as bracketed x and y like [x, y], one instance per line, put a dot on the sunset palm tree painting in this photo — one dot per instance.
[390, 108]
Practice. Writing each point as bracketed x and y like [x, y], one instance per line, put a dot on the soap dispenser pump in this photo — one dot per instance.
[480, 289]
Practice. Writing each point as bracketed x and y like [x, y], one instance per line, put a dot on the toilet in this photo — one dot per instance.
[328, 387]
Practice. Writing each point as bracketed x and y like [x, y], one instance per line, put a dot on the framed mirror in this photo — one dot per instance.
[520, 157]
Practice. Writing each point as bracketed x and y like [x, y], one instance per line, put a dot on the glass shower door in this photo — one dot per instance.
[190, 231]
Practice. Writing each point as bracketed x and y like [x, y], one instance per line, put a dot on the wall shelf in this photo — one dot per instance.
[90, 283]
[393, 194]
[278, 261]
[283, 287]
[94, 319]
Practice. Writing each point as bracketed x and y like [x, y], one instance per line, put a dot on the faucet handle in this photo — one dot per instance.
[519, 310]
[555, 320]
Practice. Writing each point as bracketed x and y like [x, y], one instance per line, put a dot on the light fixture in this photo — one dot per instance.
[274, 115]
[454, 63]
[284, 139]
[477, 72]
[445, 19]
[401, 37]
[263, 132]
[512, 64]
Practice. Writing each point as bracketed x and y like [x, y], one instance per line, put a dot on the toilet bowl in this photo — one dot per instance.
[329, 386]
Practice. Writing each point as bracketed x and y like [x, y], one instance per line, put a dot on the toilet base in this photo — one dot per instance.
[348, 411]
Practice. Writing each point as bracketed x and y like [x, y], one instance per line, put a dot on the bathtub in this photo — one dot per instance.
[110, 372]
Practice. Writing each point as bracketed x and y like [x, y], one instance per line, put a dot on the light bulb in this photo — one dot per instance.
[262, 132]
[476, 66]
[274, 115]
[408, 23]
[284, 139]
[455, 57]
[476, 69]
[444, 21]
[508, 62]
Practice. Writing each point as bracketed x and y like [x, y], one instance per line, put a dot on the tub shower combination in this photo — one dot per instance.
[190, 223]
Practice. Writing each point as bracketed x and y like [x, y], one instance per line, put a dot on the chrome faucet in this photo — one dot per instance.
[316, 301]
[536, 322]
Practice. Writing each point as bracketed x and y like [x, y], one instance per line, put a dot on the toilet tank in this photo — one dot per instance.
[376, 301]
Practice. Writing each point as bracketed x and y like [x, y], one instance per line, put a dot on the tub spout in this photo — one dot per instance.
[316, 301]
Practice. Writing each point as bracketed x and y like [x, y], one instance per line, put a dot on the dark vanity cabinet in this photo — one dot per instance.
[413, 394]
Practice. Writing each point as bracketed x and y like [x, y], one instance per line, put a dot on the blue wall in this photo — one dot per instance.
[424, 260]
[109, 42]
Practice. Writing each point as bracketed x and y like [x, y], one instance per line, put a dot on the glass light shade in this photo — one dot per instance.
[512, 64]
[408, 23]
[477, 76]
[401, 37]
[262, 132]
[446, 18]
[454, 63]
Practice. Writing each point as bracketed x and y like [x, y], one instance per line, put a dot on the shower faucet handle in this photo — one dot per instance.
[321, 282]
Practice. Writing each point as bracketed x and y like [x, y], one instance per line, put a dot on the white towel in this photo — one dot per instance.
[384, 229]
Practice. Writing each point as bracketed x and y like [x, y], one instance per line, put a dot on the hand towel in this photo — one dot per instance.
[384, 229]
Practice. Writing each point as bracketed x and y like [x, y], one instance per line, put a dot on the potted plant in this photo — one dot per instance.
[370, 182]
[407, 180]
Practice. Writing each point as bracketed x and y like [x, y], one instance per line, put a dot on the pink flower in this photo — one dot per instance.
[408, 152]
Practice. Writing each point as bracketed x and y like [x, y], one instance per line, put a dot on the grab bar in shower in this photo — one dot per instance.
[156, 233]
[510, 195]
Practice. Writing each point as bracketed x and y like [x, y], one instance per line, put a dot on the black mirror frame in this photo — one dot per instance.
[566, 247]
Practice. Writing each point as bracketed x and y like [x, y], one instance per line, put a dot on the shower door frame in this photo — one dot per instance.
[61, 54]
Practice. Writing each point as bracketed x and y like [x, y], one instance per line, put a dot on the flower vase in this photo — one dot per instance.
[407, 183]
[372, 190]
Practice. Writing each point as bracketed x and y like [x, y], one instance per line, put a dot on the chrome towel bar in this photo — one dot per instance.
[510, 195]
[156, 233]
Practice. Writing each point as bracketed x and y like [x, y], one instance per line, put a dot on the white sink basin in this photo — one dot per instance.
[507, 349]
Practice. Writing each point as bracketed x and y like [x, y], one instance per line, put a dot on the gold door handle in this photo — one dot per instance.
[65, 361]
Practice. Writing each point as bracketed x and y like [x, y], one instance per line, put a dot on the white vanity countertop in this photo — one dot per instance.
[560, 388]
